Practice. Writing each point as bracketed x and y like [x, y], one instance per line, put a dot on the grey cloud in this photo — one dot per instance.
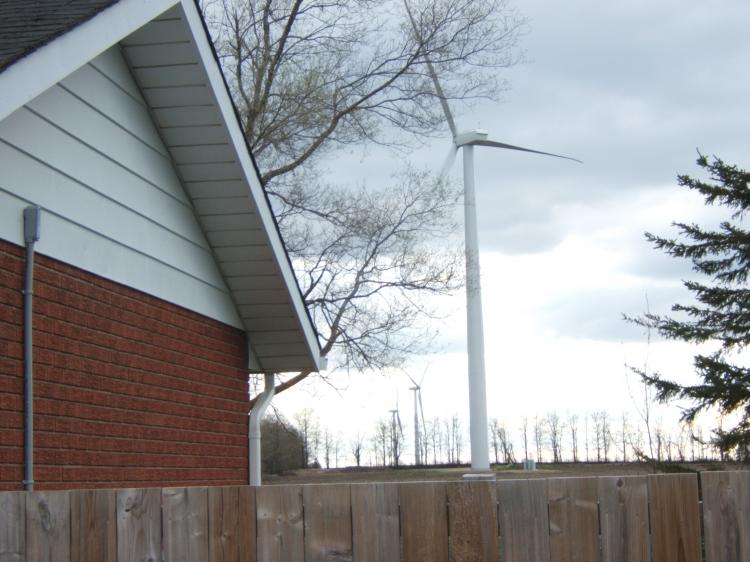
[598, 314]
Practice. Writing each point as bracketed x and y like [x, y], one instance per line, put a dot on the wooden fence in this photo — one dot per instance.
[629, 519]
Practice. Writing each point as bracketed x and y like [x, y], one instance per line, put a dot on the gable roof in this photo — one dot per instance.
[173, 61]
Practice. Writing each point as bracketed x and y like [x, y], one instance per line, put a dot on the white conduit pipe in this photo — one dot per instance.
[256, 414]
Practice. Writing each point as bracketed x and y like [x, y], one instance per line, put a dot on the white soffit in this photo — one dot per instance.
[172, 60]
[173, 63]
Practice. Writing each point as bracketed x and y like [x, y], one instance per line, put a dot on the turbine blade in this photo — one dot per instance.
[449, 160]
[495, 144]
[433, 76]
[441, 96]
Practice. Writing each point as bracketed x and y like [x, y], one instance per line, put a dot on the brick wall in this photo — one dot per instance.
[129, 390]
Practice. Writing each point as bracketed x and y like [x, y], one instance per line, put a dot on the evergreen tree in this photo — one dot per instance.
[721, 312]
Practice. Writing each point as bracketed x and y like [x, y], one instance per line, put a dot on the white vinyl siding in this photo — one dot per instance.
[88, 153]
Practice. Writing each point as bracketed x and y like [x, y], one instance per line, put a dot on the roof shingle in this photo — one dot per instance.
[26, 25]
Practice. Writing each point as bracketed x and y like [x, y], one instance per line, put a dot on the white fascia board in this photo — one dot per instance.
[216, 79]
[27, 78]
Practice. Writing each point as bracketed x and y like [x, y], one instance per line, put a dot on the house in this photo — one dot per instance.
[159, 276]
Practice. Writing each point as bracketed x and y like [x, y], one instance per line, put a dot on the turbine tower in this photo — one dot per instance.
[467, 140]
[417, 442]
[420, 454]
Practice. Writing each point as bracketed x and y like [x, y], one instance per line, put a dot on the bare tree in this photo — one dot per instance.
[586, 441]
[603, 435]
[357, 445]
[573, 427]
[624, 437]
[643, 406]
[310, 77]
[554, 428]
[381, 440]
[538, 437]
[495, 438]
[598, 433]
[307, 425]
[328, 447]
[437, 440]
[506, 445]
[366, 259]
[457, 438]
[397, 441]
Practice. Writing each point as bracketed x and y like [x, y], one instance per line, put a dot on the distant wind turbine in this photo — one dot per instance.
[419, 449]
[467, 140]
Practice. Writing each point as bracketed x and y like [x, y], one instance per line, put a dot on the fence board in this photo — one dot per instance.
[185, 524]
[93, 526]
[247, 525]
[573, 520]
[231, 523]
[726, 515]
[328, 523]
[139, 525]
[472, 516]
[675, 523]
[12, 527]
[280, 526]
[524, 523]
[48, 526]
[424, 521]
[623, 513]
[375, 522]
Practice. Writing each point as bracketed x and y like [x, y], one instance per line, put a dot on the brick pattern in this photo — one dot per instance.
[129, 390]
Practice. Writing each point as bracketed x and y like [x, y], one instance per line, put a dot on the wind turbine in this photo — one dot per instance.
[395, 439]
[419, 449]
[467, 140]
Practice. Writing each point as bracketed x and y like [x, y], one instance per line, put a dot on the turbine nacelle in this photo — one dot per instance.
[470, 137]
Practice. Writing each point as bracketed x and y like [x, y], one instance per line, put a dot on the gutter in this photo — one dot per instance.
[261, 404]
[31, 236]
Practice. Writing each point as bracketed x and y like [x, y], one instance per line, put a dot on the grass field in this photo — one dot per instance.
[379, 474]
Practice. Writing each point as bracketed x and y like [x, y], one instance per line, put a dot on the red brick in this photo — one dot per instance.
[129, 389]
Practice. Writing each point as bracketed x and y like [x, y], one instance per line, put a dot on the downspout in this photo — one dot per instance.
[256, 414]
[30, 235]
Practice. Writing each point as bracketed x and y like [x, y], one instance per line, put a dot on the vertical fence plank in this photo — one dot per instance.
[48, 526]
[93, 526]
[375, 522]
[573, 520]
[726, 515]
[280, 525]
[139, 525]
[524, 523]
[185, 524]
[231, 523]
[248, 526]
[623, 512]
[12, 526]
[424, 521]
[472, 515]
[675, 520]
[328, 523]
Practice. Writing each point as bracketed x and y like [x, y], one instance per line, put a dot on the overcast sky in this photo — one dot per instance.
[633, 89]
